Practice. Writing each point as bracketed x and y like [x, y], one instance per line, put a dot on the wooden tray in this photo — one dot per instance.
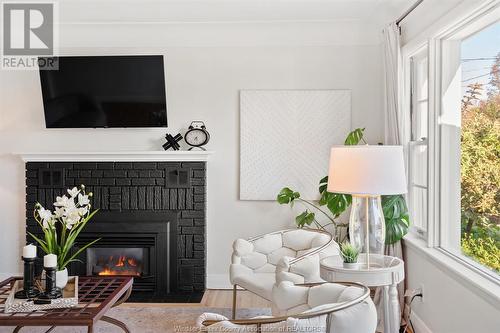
[69, 299]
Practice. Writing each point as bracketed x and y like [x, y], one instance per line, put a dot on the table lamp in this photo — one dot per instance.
[367, 172]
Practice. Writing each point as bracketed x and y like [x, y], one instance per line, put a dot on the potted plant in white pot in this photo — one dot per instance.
[349, 254]
[61, 228]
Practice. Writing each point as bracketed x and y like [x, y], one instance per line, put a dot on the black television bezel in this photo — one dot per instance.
[102, 56]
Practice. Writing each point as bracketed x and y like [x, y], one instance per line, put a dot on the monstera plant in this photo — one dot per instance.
[397, 220]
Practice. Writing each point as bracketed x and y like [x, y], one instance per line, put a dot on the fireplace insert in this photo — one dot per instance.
[118, 261]
[142, 245]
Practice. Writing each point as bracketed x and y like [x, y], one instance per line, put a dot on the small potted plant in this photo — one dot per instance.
[349, 254]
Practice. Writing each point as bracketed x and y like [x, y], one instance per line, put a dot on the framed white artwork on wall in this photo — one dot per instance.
[285, 139]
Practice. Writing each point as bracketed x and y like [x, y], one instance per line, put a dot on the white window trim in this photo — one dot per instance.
[408, 69]
[473, 276]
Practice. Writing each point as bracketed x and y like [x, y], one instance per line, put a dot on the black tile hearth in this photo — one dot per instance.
[158, 207]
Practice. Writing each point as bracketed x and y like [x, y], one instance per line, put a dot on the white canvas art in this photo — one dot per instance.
[286, 136]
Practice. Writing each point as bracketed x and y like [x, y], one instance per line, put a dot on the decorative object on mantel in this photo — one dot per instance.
[394, 207]
[69, 299]
[29, 290]
[197, 135]
[289, 130]
[349, 254]
[172, 141]
[71, 214]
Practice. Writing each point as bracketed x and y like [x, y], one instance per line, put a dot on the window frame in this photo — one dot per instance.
[419, 53]
[438, 218]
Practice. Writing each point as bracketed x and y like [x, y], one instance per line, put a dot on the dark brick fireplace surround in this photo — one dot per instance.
[156, 206]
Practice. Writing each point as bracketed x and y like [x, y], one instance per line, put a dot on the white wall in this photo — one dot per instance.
[449, 304]
[206, 66]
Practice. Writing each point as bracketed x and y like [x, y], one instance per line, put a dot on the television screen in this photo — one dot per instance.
[105, 91]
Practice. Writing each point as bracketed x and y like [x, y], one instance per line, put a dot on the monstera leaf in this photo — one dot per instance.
[306, 218]
[397, 219]
[354, 137]
[287, 196]
[335, 202]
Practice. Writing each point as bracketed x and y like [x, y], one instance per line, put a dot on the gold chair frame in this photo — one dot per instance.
[293, 261]
[335, 308]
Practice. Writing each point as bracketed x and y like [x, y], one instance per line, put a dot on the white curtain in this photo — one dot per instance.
[392, 70]
[394, 126]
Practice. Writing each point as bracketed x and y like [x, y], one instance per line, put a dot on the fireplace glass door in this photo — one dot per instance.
[117, 261]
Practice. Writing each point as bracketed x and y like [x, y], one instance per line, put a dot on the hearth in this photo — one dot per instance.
[151, 222]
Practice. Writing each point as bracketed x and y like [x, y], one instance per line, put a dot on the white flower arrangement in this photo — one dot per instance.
[71, 214]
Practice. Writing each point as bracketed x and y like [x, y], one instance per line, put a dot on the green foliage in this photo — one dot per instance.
[355, 137]
[349, 252]
[480, 172]
[336, 203]
[395, 210]
[306, 218]
[287, 196]
[482, 250]
[397, 218]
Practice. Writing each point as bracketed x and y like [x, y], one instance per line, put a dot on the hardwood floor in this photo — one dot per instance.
[224, 298]
[216, 298]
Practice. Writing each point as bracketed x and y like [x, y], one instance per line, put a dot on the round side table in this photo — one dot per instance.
[384, 271]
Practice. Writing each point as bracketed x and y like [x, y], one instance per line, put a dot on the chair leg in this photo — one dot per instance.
[235, 288]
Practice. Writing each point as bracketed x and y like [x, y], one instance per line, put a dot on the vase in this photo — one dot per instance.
[367, 225]
[62, 278]
[351, 265]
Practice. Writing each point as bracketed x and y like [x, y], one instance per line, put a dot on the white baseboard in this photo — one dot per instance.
[218, 281]
[419, 324]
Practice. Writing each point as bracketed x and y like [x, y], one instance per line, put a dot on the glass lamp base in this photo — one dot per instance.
[367, 225]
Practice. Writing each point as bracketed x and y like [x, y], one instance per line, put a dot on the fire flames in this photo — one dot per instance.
[121, 265]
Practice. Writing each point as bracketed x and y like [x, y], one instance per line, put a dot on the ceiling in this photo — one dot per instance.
[221, 11]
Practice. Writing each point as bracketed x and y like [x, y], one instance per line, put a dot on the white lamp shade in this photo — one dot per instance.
[367, 170]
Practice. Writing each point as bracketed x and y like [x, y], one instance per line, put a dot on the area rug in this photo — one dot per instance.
[151, 319]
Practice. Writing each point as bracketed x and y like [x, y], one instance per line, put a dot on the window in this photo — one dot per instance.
[480, 147]
[454, 148]
[469, 141]
[418, 146]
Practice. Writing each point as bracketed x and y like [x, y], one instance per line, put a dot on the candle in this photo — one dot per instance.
[50, 260]
[29, 251]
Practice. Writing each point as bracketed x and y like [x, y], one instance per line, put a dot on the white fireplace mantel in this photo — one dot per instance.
[117, 156]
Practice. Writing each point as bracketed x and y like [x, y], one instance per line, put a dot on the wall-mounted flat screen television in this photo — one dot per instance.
[105, 91]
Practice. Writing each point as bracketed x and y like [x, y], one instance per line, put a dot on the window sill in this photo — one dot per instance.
[474, 281]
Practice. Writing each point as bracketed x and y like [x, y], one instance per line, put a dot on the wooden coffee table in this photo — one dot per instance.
[96, 295]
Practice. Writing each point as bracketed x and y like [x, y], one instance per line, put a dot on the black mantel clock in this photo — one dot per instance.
[197, 135]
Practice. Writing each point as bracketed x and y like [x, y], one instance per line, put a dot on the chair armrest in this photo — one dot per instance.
[309, 314]
[241, 247]
[325, 247]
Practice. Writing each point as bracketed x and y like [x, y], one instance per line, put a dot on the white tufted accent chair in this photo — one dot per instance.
[287, 255]
[323, 308]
